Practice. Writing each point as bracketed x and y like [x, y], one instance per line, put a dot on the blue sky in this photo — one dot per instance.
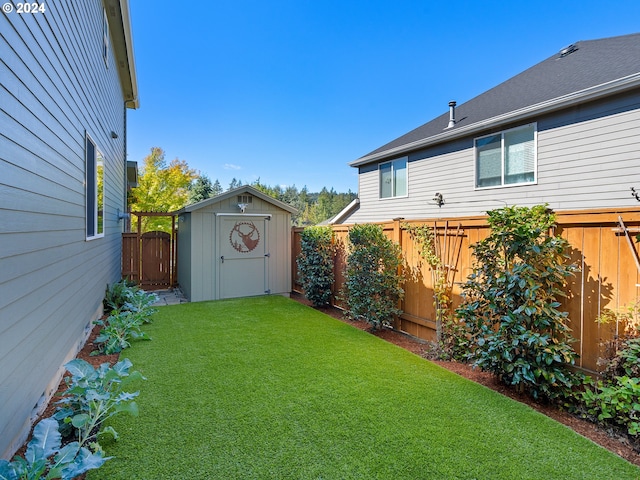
[290, 92]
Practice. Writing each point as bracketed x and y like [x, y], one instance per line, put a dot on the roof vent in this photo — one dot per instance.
[568, 50]
[452, 114]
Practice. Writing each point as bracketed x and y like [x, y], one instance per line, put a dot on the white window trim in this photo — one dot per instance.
[86, 193]
[507, 185]
[380, 197]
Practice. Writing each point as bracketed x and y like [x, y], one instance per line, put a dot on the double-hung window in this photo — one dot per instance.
[94, 164]
[506, 158]
[393, 178]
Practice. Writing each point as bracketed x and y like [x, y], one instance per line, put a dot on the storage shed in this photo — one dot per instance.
[236, 244]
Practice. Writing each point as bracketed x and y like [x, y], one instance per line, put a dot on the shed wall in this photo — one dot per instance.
[201, 282]
[55, 88]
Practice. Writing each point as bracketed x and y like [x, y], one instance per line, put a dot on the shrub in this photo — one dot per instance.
[372, 289]
[315, 264]
[615, 398]
[46, 458]
[510, 307]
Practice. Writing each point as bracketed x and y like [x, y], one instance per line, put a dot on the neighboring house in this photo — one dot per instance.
[67, 77]
[564, 132]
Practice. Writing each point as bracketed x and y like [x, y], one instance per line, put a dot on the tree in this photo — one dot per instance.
[200, 189]
[511, 303]
[161, 188]
[315, 264]
[372, 288]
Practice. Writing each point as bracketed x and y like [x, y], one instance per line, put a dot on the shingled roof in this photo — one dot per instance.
[580, 72]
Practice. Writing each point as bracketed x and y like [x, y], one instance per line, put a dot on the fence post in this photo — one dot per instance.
[397, 238]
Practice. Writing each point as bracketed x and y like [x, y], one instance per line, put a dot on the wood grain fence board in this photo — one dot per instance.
[607, 278]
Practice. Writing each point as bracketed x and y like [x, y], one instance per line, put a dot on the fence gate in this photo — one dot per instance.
[149, 259]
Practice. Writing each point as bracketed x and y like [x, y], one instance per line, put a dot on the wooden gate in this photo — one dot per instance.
[149, 259]
[156, 260]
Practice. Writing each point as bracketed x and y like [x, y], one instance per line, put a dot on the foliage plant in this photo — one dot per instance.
[117, 331]
[372, 288]
[615, 397]
[117, 294]
[315, 264]
[129, 309]
[511, 303]
[451, 332]
[94, 395]
[46, 458]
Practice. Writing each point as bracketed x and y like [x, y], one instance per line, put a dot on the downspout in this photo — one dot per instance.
[125, 208]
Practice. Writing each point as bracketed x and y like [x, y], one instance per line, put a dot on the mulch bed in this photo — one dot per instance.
[605, 437]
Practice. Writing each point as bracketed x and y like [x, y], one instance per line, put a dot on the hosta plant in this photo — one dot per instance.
[46, 458]
[94, 395]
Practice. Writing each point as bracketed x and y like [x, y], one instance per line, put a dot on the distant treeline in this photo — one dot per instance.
[313, 207]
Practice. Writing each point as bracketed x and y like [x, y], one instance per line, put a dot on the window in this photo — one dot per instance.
[94, 164]
[506, 158]
[393, 178]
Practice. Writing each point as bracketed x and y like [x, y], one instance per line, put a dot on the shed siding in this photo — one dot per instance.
[55, 89]
[199, 228]
[587, 157]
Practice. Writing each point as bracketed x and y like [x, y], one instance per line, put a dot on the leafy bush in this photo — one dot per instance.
[372, 287]
[615, 398]
[94, 395]
[315, 264]
[510, 307]
[45, 457]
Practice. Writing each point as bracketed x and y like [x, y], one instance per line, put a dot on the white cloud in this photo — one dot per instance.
[231, 166]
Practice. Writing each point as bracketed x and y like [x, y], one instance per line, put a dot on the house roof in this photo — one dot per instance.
[238, 191]
[120, 28]
[584, 71]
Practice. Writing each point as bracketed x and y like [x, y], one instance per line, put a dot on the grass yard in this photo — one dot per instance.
[267, 388]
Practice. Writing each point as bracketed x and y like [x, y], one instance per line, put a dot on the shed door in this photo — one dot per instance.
[244, 255]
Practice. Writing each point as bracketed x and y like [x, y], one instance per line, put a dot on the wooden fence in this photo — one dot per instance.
[602, 244]
[150, 259]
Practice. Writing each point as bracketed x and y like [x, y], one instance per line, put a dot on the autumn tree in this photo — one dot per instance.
[161, 187]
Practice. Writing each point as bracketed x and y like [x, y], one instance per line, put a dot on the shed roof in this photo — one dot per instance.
[245, 189]
[586, 71]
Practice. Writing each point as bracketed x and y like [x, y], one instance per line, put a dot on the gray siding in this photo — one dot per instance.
[199, 281]
[587, 159]
[55, 88]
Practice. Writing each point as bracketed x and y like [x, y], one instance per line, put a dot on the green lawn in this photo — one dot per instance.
[268, 388]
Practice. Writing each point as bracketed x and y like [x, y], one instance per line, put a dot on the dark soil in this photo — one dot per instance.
[605, 437]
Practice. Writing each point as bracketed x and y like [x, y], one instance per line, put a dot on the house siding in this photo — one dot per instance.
[55, 89]
[587, 159]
